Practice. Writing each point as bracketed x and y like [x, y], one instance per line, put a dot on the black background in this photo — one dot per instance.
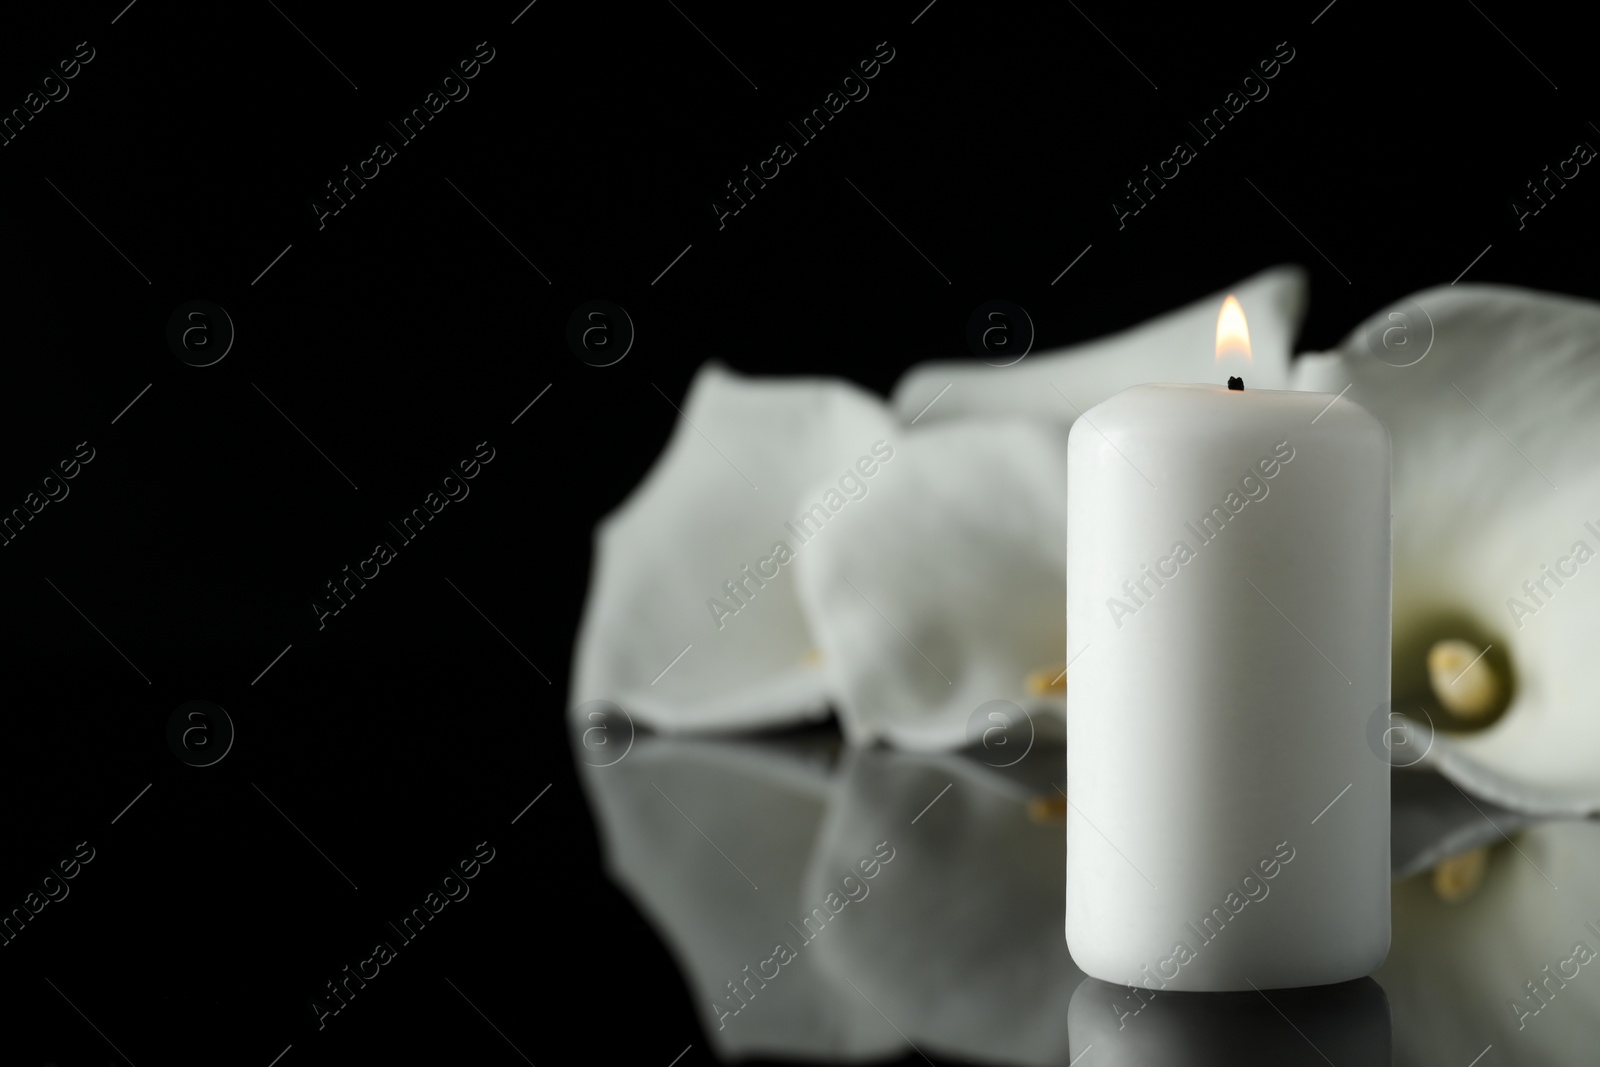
[407, 330]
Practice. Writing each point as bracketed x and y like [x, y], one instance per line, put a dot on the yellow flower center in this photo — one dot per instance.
[1462, 679]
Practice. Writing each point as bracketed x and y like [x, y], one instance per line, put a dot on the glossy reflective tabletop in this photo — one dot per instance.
[831, 904]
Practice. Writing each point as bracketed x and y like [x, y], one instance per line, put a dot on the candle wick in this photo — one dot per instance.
[1236, 384]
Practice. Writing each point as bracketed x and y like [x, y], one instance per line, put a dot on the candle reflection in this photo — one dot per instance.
[1343, 1023]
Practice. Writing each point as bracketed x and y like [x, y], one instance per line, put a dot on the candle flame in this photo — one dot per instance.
[1233, 333]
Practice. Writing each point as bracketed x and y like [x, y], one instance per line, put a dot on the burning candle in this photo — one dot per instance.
[1228, 642]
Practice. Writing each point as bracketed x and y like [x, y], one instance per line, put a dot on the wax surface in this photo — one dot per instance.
[1228, 634]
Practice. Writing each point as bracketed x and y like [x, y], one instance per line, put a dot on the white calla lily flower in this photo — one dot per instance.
[1488, 393]
[691, 621]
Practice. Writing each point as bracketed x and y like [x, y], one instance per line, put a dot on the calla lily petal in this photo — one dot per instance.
[1496, 489]
[699, 532]
[943, 587]
[1176, 347]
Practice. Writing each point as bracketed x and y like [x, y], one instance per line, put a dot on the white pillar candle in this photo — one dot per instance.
[1228, 642]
